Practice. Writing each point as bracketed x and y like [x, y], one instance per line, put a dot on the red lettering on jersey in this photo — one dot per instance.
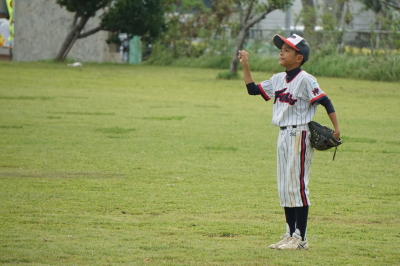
[284, 97]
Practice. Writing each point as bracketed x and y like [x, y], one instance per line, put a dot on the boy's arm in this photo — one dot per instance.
[243, 57]
[326, 102]
[252, 88]
[335, 124]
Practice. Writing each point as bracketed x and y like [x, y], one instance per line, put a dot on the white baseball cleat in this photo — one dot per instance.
[284, 240]
[295, 242]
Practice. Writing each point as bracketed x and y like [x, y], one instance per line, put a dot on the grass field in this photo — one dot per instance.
[144, 165]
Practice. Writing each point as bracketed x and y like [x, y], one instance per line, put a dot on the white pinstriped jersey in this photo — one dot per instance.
[293, 101]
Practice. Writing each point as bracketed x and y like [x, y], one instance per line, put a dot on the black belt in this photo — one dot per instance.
[283, 128]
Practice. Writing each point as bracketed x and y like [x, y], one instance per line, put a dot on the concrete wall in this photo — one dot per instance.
[40, 29]
[276, 19]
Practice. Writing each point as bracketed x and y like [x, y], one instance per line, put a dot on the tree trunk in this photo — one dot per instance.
[340, 14]
[394, 4]
[71, 38]
[244, 27]
[239, 46]
[243, 34]
[248, 22]
[309, 16]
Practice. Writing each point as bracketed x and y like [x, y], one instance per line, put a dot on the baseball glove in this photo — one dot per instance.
[322, 137]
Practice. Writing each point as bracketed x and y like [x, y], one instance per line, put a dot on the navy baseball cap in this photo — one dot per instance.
[296, 42]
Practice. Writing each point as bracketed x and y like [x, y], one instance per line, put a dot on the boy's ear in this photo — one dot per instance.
[299, 58]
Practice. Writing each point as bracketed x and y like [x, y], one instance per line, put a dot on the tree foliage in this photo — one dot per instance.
[392, 3]
[385, 31]
[84, 7]
[373, 5]
[377, 5]
[191, 26]
[223, 26]
[142, 18]
[331, 18]
[134, 17]
[252, 12]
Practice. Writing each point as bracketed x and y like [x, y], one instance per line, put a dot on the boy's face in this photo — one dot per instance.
[288, 58]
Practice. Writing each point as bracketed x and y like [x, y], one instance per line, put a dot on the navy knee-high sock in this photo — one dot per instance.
[301, 220]
[290, 214]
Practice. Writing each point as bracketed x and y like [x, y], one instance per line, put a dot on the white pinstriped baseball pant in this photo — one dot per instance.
[295, 156]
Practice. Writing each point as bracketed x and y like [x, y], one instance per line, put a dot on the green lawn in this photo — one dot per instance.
[144, 165]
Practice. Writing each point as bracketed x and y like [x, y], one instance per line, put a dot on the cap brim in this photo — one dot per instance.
[279, 40]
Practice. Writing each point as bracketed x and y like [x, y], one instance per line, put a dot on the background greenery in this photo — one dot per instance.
[147, 165]
[208, 38]
[381, 68]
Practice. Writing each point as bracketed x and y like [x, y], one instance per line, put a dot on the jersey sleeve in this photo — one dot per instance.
[311, 90]
[266, 89]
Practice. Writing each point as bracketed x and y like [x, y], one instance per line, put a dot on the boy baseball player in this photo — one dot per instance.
[295, 95]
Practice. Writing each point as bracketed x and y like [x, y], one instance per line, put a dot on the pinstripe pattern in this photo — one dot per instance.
[295, 156]
[303, 153]
[292, 100]
[293, 105]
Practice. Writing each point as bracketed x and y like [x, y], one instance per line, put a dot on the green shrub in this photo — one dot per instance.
[227, 75]
[382, 68]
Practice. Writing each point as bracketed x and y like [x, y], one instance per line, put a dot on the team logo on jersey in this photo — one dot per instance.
[284, 97]
[316, 91]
